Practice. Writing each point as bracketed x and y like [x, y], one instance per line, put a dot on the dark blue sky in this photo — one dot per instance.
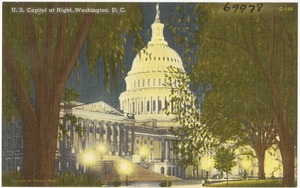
[92, 89]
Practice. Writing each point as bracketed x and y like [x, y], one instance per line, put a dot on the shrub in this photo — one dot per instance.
[164, 184]
[11, 179]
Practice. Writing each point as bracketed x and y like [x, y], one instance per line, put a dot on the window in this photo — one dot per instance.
[153, 81]
[159, 105]
[159, 82]
[145, 141]
[154, 105]
[148, 82]
[162, 170]
[166, 104]
[151, 142]
[148, 106]
[143, 82]
[138, 83]
[134, 84]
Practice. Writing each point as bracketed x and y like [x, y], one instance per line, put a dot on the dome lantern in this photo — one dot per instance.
[157, 30]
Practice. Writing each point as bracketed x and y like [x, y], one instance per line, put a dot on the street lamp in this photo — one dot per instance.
[125, 167]
[88, 157]
[102, 149]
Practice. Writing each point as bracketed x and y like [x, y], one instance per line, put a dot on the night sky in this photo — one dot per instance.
[92, 89]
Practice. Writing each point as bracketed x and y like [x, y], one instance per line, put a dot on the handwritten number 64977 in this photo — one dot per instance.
[243, 7]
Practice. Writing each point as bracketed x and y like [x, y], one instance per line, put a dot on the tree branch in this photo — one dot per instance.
[31, 44]
[61, 41]
[18, 85]
[77, 46]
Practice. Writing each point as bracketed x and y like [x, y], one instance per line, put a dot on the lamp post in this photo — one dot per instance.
[102, 149]
[88, 157]
[167, 181]
[125, 167]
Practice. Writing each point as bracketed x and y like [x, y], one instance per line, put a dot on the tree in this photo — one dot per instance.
[192, 138]
[250, 62]
[222, 124]
[224, 160]
[39, 53]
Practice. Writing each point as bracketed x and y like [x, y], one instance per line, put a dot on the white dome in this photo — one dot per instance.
[146, 94]
[155, 58]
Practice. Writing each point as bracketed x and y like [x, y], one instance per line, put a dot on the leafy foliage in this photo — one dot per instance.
[70, 94]
[72, 179]
[251, 61]
[192, 139]
[11, 179]
[39, 54]
[224, 159]
[105, 40]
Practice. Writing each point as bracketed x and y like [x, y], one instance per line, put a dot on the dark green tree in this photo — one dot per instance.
[249, 62]
[192, 138]
[224, 160]
[39, 53]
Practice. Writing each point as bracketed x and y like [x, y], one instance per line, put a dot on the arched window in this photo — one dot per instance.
[162, 170]
[148, 106]
[166, 104]
[159, 105]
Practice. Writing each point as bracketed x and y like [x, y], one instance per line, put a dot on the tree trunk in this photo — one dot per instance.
[261, 164]
[227, 177]
[288, 160]
[40, 143]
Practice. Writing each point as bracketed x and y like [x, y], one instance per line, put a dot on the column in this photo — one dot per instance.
[86, 125]
[114, 142]
[126, 140]
[94, 132]
[101, 131]
[79, 137]
[108, 133]
[120, 140]
[128, 106]
[163, 151]
[132, 141]
[168, 149]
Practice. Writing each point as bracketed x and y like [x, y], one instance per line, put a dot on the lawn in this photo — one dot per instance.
[249, 183]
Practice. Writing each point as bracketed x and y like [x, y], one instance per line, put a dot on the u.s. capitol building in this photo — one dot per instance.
[140, 131]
